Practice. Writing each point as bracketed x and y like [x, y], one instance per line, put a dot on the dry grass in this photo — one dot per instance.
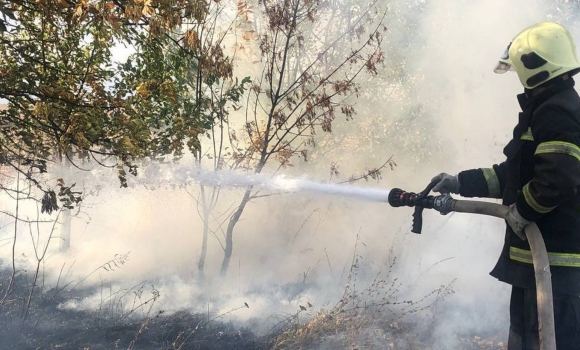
[371, 317]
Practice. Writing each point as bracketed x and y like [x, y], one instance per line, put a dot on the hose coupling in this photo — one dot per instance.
[444, 203]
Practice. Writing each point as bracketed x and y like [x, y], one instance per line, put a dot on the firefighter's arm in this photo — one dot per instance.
[483, 182]
[557, 164]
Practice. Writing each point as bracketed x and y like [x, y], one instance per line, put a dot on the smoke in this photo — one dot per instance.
[449, 112]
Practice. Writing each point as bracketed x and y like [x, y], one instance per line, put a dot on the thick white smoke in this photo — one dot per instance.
[296, 248]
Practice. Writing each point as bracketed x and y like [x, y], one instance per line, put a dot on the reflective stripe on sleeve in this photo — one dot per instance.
[559, 147]
[492, 182]
[527, 135]
[555, 259]
[533, 203]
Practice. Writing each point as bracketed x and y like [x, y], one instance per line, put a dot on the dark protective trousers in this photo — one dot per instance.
[524, 321]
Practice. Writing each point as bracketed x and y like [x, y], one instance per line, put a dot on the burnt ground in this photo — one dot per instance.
[79, 330]
[45, 324]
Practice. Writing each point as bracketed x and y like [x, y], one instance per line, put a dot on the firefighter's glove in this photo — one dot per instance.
[446, 183]
[517, 222]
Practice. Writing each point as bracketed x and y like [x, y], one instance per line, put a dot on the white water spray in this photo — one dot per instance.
[283, 183]
[180, 175]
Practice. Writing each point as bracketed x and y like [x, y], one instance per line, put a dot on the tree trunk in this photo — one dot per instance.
[228, 249]
[203, 254]
[65, 231]
[65, 227]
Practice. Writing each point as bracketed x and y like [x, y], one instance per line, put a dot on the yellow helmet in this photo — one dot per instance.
[540, 53]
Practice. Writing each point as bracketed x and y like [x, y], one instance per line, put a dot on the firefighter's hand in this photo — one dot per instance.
[517, 222]
[446, 183]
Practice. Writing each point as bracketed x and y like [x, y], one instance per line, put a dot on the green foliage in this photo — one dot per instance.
[68, 97]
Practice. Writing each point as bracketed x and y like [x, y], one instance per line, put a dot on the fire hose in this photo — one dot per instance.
[445, 204]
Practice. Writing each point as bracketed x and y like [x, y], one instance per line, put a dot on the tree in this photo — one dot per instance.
[221, 99]
[390, 116]
[307, 80]
[68, 98]
[71, 101]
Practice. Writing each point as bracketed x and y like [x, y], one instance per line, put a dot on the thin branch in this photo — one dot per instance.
[303, 223]
[368, 173]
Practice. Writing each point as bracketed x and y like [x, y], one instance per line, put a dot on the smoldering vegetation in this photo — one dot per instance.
[372, 318]
[143, 267]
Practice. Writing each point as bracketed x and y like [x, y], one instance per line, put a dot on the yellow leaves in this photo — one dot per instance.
[59, 92]
[147, 10]
[127, 145]
[39, 108]
[80, 7]
[133, 12]
[166, 89]
[143, 89]
[82, 141]
[194, 132]
[63, 141]
[193, 142]
[257, 135]
[135, 117]
[83, 6]
[78, 11]
[164, 15]
[191, 38]
[184, 131]
[159, 15]
[179, 123]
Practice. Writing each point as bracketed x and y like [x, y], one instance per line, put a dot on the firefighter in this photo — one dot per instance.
[539, 181]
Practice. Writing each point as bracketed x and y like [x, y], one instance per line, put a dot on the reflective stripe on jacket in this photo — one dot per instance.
[542, 176]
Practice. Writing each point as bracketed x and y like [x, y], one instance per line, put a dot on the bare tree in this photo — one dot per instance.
[312, 67]
[215, 94]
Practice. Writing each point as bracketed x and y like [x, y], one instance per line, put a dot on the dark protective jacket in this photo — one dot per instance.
[542, 176]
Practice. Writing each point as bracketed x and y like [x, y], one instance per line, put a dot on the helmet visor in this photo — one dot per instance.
[503, 67]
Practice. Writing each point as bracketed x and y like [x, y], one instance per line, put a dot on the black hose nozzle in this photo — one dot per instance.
[399, 198]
